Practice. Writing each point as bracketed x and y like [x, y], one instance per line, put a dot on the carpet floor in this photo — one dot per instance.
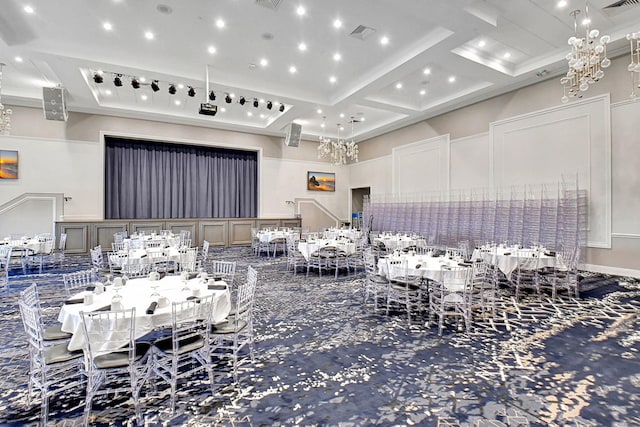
[324, 358]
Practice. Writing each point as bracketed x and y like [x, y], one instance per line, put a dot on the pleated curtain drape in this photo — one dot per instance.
[145, 180]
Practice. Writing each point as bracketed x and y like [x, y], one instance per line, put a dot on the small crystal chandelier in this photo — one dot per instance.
[586, 60]
[340, 151]
[5, 113]
[634, 65]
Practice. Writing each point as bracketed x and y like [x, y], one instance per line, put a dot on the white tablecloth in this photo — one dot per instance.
[417, 265]
[30, 245]
[138, 293]
[508, 258]
[142, 256]
[396, 241]
[267, 236]
[349, 233]
[309, 247]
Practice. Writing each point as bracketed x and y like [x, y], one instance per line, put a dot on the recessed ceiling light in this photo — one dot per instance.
[292, 69]
[302, 47]
[427, 71]
[398, 85]
[482, 43]
[506, 55]
[452, 79]
[423, 92]
[220, 23]
[143, 79]
[261, 101]
[149, 35]
[180, 86]
[561, 4]
[211, 49]
[362, 119]
[586, 21]
[333, 79]
[223, 109]
[177, 102]
[262, 116]
[319, 111]
[264, 62]
[384, 40]
[322, 125]
[342, 115]
[107, 26]
[337, 23]
[249, 113]
[341, 127]
[29, 9]
[18, 59]
[143, 97]
[232, 95]
[108, 92]
[337, 56]
[301, 10]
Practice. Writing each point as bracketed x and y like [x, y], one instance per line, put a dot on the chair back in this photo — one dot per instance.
[205, 251]
[224, 269]
[245, 294]
[5, 261]
[30, 296]
[188, 320]
[107, 331]
[188, 259]
[97, 259]
[79, 280]
[62, 244]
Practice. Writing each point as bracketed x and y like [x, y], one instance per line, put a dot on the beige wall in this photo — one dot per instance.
[473, 121]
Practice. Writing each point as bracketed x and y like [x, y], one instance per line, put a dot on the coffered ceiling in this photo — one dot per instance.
[384, 63]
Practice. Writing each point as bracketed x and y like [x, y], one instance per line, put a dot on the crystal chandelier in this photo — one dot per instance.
[634, 65]
[586, 60]
[5, 113]
[339, 150]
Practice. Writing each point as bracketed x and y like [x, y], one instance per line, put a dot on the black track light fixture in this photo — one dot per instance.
[97, 77]
[135, 83]
[172, 89]
[117, 81]
[154, 86]
[242, 100]
[255, 102]
[191, 92]
[269, 105]
[227, 99]
[212, 96]
[281, 108]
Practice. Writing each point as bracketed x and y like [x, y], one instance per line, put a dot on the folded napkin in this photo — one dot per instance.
[105, 308]
[90, 288]
[417, 266]
[193, 275]
[191, 298]
[74, 301]
[507, 253]
[217, 287]
[152, 307]
[550, 253]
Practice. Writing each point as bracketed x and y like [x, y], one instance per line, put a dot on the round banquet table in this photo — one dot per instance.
[138, 293]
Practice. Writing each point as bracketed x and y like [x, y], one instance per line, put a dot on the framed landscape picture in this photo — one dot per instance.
[8, 164]
[321, 181]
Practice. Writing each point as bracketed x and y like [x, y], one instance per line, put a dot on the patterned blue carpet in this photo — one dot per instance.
[325, 358]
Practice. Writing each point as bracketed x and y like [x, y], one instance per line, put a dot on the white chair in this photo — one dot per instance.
[404, 289]
[113, 361]
[188, 259]
[50, 332]
[44, 253]
[97, 260]
[450, 297]
[186, 351]
[228, 338]
[376, 285]
[79, 280]
[53, 370]
[5, 262]
[59, 255]
[204, 253]
[225, 270]
[526, 275]
[295, 258]
[484, 293]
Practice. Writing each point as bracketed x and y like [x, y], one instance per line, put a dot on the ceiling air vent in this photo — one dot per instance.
[362, 32]
[623, 3]
[269, 4]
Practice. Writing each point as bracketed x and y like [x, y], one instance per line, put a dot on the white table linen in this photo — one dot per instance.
[398, 241]
[310, 246]
[349, 233]
[507, 258]
[138, 293]
[417, 265]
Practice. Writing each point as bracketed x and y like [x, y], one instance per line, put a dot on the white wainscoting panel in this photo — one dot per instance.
[564, 141]
[625, 176]
[469, 162]
[422, 166]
